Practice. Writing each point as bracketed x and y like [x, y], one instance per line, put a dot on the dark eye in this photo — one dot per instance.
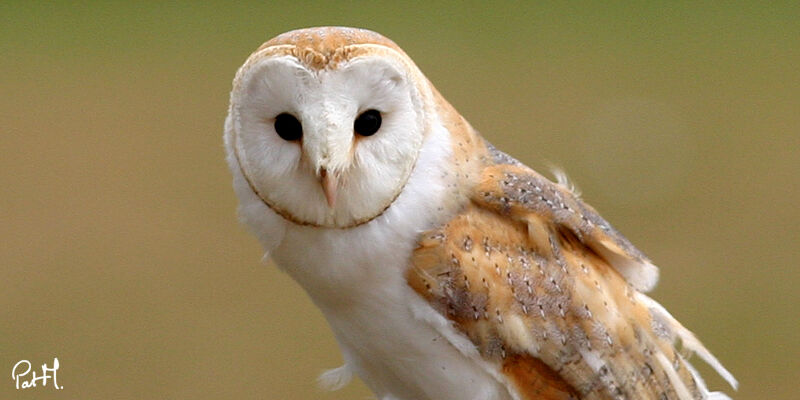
[368, 123]
[288, 127]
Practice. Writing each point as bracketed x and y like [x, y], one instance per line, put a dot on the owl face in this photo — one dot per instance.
[326, 138]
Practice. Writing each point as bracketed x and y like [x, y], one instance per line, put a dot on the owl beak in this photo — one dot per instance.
[329, 184]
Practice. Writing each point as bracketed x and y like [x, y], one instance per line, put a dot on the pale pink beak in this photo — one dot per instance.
[329, 184]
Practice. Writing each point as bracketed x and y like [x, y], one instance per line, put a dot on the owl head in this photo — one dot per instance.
[325, 124]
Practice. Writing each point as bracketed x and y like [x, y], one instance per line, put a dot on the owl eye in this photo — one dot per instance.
[288, 127]
[368, 123]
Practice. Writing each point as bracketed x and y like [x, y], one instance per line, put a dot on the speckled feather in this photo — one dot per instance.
[521, 271]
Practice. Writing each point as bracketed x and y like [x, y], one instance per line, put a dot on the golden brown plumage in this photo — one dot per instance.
[546, 288]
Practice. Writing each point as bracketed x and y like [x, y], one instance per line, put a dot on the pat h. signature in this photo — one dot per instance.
[19, 374]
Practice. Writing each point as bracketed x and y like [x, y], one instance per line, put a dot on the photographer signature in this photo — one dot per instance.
[19, 375]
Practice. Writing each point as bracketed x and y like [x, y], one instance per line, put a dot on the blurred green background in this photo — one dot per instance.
[121, 254]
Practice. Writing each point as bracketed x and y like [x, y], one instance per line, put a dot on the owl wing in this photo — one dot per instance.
[549, 293]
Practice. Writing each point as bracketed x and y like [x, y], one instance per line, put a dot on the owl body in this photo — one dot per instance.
[445, 268]
[357, 278]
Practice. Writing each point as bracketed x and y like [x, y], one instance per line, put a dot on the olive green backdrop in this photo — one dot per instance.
[121, 255]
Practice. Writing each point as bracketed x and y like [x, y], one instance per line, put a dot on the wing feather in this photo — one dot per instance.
[522, 194]
[549, 292]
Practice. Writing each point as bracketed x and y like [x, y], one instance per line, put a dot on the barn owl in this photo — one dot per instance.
[445, 268]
